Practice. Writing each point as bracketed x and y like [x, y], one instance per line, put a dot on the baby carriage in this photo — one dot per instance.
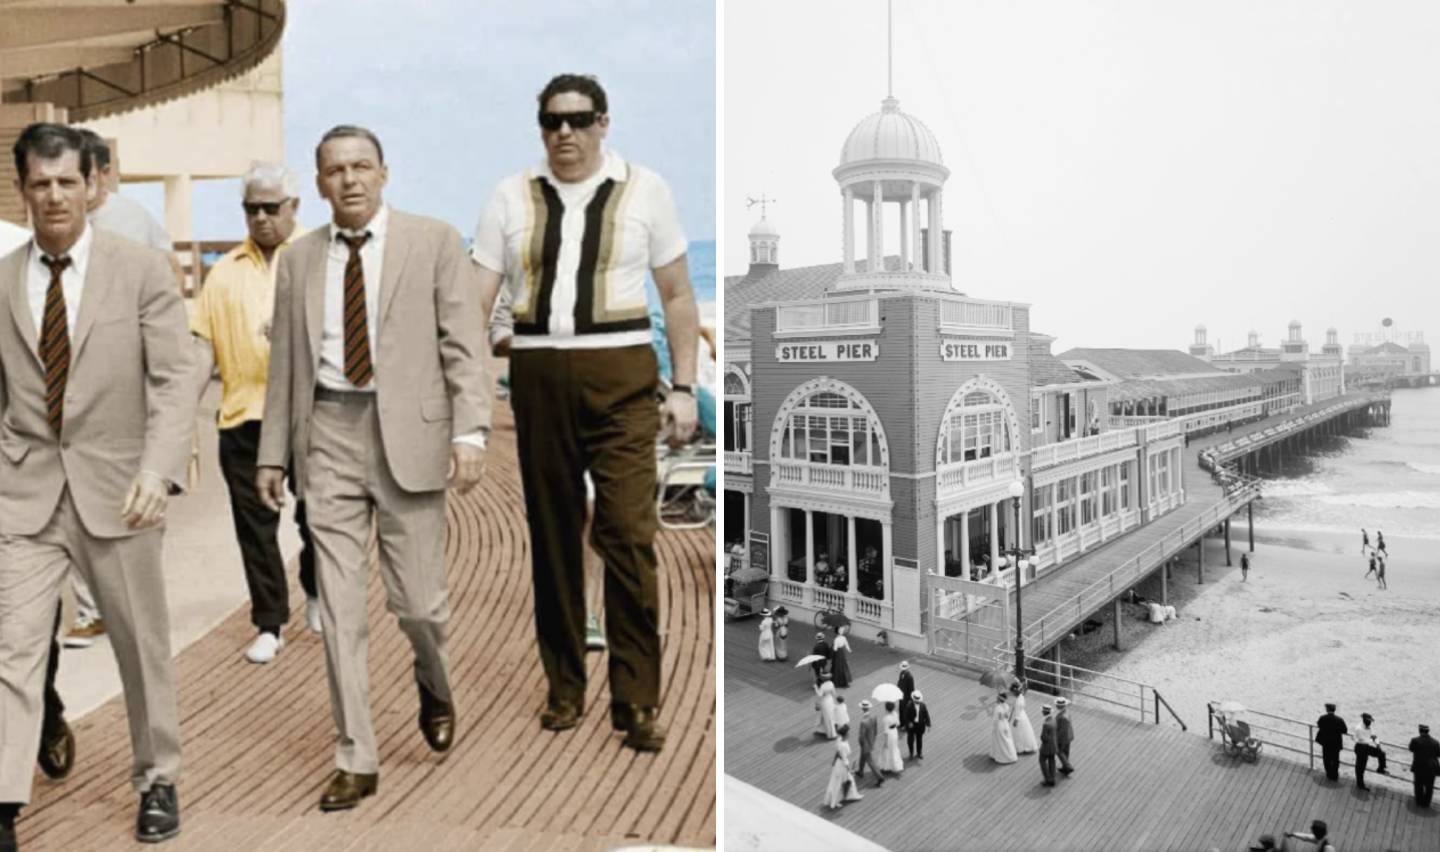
[1235, 732]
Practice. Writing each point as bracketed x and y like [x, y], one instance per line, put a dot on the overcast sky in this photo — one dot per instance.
[450, 86]
[1128, 168]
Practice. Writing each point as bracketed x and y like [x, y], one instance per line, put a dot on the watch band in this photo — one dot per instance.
[679, 388]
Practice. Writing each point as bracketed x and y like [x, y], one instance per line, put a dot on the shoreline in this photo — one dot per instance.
[1306, 628]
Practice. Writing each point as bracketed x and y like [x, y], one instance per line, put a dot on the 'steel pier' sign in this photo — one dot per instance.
[827, 350]
[973, 350]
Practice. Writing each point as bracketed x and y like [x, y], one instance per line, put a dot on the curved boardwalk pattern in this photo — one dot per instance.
[259, 739]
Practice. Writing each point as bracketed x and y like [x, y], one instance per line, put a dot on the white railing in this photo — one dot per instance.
[955, 476]
[737, 462]
[1079, 448]
[828, 314]
[1075, 542]
[972, 314]
[828, 598]
[830, 477]
[1159, 431]
[1205, 419]
[1130, 421]
[872, 611]
[788, 591]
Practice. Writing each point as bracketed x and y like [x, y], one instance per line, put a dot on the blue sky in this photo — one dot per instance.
[449, 86]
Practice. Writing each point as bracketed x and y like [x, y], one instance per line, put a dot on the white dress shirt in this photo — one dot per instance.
[332, 338]
[72, 282]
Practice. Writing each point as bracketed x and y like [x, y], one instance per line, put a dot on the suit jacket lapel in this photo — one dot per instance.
[92, 296]
[315, 298]
[397, 249]
[20, 307]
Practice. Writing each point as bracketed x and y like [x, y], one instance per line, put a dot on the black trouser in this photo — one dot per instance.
[54, 707]
[1330, 757]
[257, 530]
[1047, 767]
[591, 410]
[1424, 789]
[915, 741]
[1362, 759]
[866, 758]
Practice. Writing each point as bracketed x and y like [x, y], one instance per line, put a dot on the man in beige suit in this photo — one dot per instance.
[378, 390]
[96, 418]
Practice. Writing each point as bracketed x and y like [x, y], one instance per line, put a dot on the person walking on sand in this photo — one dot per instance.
[1380, 543]
[1047, 746]
[1002, 741]
[1244, 567]
[1425, 765]
[767, 637]
[1064, 735]
[841, 787]
[869, 727]
[1024, 732]
[1330, 733]
[1364, 540]
[1373, 561]
[1380, 575]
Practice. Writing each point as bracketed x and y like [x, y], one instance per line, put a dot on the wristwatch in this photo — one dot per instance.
[679, 388]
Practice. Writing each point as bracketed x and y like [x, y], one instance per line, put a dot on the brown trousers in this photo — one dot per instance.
[595, 410]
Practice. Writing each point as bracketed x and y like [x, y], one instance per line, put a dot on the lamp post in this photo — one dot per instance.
[1016, 557]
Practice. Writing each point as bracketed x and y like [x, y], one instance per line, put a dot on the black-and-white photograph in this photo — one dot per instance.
[1080, 462]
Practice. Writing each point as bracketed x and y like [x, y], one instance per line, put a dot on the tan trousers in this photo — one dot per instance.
[129, 586]
[349, 488]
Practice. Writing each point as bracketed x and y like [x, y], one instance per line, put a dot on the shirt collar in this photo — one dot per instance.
[376, 226]
[612, 166]
[250, 249]
[79, 253]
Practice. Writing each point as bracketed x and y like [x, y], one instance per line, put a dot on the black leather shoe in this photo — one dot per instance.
[560, 715]
[159, 816]
[437, 721]
[8, 843]
[346, 789]
[644, 733]
[621, 715]
[57, 751]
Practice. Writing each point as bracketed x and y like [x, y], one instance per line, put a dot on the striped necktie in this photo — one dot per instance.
[55, 343]
[358, 368]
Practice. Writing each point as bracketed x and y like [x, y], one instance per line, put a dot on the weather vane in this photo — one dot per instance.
[763, 201]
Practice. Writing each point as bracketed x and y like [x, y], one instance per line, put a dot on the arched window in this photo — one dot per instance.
[979, 423]
[828, 422]
[738, 410]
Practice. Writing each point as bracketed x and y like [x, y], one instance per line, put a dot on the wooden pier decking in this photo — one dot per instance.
[1136, 786]
[259, 739]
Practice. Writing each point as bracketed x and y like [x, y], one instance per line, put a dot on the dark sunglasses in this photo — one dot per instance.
[577, 120]
[271, 208]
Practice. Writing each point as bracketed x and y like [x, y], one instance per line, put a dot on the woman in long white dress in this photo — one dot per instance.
[841, 787]
[1025, 742]
[887, 745]
[825, 703]
[842, 713]
[767, 636]
[1002, 742]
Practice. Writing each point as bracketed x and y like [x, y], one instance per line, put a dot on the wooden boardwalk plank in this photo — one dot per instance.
[259, 739]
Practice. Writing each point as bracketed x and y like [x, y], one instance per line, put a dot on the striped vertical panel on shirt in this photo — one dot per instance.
[539, 257]
[600, 251]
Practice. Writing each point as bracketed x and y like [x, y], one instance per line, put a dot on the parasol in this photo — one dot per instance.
[808, 659]
[887, 692]
[998, 678]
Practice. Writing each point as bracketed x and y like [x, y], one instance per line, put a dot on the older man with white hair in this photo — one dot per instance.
[231, 323]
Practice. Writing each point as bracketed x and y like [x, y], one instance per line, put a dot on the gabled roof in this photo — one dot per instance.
[1046, 369]
[1141, 363]
[772, 284]
[1387, 348]
[1146, 388]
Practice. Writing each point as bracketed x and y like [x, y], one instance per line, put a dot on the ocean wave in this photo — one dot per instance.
[1385, 499]
[1422, 467]
[1295, 488]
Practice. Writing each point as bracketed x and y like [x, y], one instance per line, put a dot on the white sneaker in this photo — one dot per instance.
[264, 648]
[312, 615]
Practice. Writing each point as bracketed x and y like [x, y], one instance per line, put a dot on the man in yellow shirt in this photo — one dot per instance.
[231, 321]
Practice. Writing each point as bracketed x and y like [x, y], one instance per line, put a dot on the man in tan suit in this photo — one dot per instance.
[378, 390]
[96, 418]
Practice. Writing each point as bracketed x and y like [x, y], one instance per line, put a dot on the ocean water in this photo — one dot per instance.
[702, 270]
[1386, 478]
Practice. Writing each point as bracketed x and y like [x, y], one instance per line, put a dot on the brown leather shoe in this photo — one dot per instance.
[645, 732]
[346, 789]
[437, 721]
[560, 715]
[57, 750]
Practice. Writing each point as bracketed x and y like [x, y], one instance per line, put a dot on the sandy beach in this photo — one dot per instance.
[1306, 628]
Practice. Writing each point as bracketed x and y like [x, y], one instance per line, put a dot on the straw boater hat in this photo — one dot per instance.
[1062, 702]
[916, 696]
[865, 704]
[1046, 709]
[765, 612]
[904, 664]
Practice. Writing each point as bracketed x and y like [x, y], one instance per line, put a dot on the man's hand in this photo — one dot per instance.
[467, 465]
[145, 501]
[270, 483]
[678, 418]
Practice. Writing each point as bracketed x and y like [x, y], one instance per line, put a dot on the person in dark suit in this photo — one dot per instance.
[821, 649]
[1330, 731]
[918, 722]
[869, 727]
[1047, 745]
[1425, 765]
[1064, 735]
[906, 682]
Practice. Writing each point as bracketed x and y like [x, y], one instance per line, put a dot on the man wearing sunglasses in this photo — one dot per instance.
[231, 324]
[572, 240]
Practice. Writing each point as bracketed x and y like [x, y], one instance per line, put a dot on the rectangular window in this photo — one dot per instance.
[1125, 486]
[1065, 506]
[1034, 413]
[1107, 492]
[1043, 526]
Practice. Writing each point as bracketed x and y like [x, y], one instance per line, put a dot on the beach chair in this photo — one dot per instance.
[1235, 738]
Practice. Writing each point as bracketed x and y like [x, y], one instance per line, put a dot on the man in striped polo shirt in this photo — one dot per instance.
[572, 240]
